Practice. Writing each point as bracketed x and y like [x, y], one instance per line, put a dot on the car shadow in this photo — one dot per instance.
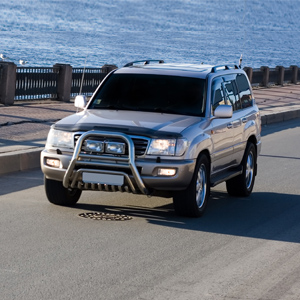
[263, 215]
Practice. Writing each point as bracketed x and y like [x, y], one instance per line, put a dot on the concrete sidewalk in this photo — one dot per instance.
[24, 126]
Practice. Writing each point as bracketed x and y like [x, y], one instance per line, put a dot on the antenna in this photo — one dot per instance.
[243, 22]
[82, 76]
[240, 61]
[81, 84]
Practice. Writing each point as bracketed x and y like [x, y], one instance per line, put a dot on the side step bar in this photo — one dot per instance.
[215, 180]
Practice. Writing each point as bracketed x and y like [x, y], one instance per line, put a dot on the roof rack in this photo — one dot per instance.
[223, 67]
[144, 62]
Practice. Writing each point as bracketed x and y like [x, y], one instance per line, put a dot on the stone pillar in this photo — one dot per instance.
[8, 75]
[64, 82]
[249, 72]
[108, 68]
[280, 70]
[294, 78]
[266, 73]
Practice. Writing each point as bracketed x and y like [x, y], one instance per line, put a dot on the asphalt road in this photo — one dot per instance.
[240, 249]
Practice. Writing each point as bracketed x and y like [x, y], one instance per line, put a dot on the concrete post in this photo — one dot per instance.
[249, 72]
[64, 82]
[266, 74]
[108, 68]
[280, 70]
[294, 78]
[8, 75]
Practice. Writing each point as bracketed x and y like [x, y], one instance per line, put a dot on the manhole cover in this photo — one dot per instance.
[104, 216]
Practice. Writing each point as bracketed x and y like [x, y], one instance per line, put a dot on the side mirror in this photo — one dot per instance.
[223, 111]
[80, 101]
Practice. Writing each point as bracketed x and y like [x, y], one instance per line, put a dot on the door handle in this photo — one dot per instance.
[237, 123]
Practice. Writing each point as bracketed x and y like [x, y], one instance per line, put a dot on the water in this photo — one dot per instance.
[45, 32]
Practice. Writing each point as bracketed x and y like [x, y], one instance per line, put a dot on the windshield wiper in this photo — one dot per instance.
[114, 107]
[158, 109]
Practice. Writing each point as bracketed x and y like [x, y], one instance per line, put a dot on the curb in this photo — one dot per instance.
[30, 159]
[280, 117]
[20, 161]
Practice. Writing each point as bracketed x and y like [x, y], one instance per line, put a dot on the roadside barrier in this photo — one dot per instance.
[265, 76]
[61, 82]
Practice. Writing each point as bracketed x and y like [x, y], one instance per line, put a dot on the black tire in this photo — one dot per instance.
[192, 201]
[59, 195]
[242, 185]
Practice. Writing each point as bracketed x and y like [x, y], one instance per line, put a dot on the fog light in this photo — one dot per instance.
[166, 172]
[52, 162]
[93, 146]
[115, 148]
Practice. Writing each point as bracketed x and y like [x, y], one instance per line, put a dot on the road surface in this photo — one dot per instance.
[240, 249]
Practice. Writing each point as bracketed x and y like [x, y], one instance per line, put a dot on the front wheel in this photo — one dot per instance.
[192, 201]
[242, 185]
[59, 195]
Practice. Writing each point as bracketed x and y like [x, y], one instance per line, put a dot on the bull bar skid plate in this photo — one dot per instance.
[72, 175]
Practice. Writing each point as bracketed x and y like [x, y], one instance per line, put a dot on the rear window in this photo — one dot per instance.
[153, 93]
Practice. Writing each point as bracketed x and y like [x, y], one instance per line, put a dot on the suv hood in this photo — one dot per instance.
[130, 122]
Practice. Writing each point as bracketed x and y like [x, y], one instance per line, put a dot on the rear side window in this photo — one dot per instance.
[244, 91]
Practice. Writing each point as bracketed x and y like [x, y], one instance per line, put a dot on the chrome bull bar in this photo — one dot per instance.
[71, 175]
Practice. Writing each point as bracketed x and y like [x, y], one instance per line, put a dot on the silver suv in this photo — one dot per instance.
[152, 128]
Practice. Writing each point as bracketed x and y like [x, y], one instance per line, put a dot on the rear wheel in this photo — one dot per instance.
[58, 194]
[242, 185]
[192, 201]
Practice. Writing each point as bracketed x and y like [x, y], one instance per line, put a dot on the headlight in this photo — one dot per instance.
[61, 139]
[167, 147]
[181, 147]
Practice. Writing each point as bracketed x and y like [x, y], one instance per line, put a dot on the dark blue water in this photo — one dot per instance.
[45, 32]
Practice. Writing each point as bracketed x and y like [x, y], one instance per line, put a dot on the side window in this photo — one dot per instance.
[244, 91]
[231, 94]
[217, 93]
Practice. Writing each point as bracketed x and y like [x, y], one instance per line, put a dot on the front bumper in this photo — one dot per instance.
[140, 174]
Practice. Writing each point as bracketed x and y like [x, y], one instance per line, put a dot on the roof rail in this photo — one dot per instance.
[145, 62]
[223, 67]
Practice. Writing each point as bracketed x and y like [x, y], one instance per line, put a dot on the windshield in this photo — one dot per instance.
[154, 93]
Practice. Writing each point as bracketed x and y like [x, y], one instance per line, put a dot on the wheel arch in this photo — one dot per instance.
[201, 144]
[207, 154]
[252, 139]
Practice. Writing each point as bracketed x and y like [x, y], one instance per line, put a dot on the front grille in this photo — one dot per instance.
[140, 144]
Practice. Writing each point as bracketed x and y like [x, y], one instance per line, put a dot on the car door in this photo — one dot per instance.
[221, 130]
[237, 122]
[244, 113]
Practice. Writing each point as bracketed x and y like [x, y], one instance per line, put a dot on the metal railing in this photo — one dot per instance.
[36, 83]
[42, 83]
[86, 80]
